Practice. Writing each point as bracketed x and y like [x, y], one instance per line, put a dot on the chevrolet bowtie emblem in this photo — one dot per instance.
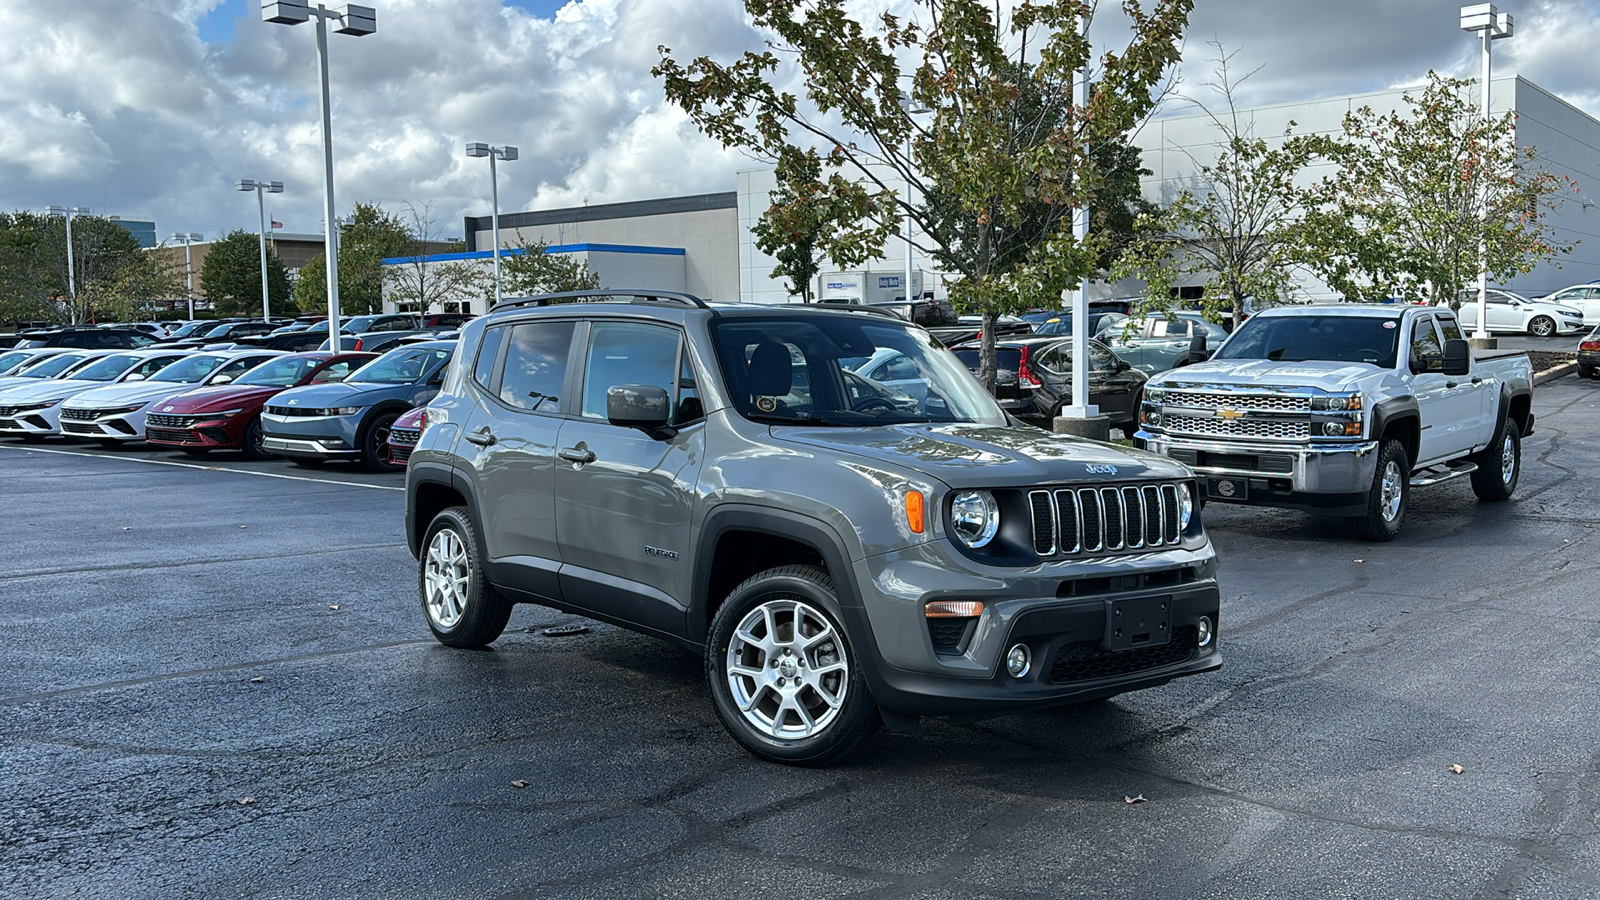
[1229, 413]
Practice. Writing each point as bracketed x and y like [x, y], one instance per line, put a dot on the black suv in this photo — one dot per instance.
[840, 555]
[86, 338]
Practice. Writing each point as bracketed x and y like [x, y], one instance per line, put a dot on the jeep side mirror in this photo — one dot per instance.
[1197, 348]
[642, 406]
[1457, 357]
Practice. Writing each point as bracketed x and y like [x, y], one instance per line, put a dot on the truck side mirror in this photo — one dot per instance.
[1457, 357]
[1197, 348]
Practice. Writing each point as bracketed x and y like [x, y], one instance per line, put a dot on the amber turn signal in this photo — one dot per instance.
[954, 609]
[914, 516]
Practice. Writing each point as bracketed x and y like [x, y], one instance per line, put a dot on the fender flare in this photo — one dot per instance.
[1396, 409]
[444, 476]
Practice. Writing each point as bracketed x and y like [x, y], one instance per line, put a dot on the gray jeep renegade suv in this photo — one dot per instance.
[707, 474]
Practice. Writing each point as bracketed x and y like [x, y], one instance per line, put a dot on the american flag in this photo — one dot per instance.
[276, 224]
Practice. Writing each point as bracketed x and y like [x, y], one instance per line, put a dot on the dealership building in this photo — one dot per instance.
[703, 243]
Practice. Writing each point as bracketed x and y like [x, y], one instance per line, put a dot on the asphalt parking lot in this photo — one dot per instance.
[216, 683]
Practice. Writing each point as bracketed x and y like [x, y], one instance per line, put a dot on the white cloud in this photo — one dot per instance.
[120, 105]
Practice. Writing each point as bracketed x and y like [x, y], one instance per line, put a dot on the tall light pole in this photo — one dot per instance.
[354, 20]
[912, 108]
[507, 153]
[1079, 407]
[1491, 25]
[72, 280]
[262, 188]
[188, 238]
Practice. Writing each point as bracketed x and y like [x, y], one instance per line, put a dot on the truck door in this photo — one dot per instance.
[1449, 405]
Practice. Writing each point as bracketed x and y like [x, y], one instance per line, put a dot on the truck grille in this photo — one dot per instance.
[1242, 401]
[1087, 660]
[1289, 429]
[1104, 519]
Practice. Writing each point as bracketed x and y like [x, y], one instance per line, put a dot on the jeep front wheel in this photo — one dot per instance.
[785, 681]
[463, 609]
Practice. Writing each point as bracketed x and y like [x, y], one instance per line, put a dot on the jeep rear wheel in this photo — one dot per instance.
[462, 608]
[1387, 499]
[784, 679]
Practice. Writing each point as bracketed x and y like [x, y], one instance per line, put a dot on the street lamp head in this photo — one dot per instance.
[55, 210]
[358, 21]
[273, 187]
[245, 184]
[285, 12]
[507, 152]
[477, 150]
[1484, 17]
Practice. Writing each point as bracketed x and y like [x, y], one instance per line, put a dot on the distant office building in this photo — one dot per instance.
[143, 230]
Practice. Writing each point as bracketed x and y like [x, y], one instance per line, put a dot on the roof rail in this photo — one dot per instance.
[601, 295]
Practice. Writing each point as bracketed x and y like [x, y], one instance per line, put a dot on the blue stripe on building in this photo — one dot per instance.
[559, 248]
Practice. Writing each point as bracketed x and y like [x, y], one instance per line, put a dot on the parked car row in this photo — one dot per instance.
[311, 406]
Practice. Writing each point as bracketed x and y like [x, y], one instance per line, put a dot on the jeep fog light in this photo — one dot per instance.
[1204, 632]
[1017, 660]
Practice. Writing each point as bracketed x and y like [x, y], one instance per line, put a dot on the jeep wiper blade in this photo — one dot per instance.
[809, 419]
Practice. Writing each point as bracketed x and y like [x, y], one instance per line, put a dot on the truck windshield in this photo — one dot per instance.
[791, 369]
[1335, 338]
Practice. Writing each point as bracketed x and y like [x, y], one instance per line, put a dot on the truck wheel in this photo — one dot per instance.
[462, 608]
[783, 677]
[1391, 491]
[1542, 326]
[1499, 464]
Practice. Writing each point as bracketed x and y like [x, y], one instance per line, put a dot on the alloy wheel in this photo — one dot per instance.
[1508, 458]
[787, 669]
[1393, 491]
[448, 577]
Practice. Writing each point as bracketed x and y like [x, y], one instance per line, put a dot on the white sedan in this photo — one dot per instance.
[1582, 297]
[115, 413]
[1508, 311]
[33, 411]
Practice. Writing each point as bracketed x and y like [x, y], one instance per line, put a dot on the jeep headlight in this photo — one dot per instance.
[1185, 506]
[974, 518]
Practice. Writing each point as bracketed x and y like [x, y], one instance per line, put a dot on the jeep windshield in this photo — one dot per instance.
[1335, 338]
[793, 369]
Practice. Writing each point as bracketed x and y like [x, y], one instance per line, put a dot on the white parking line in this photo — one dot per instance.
[183, 465]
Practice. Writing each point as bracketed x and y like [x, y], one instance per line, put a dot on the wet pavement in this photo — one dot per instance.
[184, 712]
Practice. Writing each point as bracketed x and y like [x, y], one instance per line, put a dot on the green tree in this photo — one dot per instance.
[1240, 228]
[534, 270]
[983, 147]
[800, 225]
[372, 235]
[230, 278]
[1407, 205]
[112, 277]
[419, 285]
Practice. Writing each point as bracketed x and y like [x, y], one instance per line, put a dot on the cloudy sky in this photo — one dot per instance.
[154, 108]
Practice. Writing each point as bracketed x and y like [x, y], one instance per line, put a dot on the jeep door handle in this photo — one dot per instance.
[482, 437]
[578, 455]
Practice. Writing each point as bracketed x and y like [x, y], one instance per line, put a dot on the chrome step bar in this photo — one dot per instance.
[1432, 476]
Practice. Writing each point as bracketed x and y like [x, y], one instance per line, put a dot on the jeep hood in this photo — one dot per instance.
[968, 455]
[1329, 375]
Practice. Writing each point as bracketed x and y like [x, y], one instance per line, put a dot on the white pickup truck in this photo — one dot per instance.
[1342, 410]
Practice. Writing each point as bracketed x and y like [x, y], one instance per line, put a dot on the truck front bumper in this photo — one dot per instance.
[1329, 478]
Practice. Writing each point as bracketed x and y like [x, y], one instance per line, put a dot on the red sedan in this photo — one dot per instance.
[228, 417]
[404, 435]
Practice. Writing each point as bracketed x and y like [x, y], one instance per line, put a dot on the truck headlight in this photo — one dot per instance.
[974, 517]
[1336, 402]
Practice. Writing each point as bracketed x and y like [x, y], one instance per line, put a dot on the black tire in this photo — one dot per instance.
[375, 443]
[308, 462]
[474, 613]
[1542, 326]
[251, 446]
[1378, 524]
[1491, 482]
[846, 724]
[1585, 371]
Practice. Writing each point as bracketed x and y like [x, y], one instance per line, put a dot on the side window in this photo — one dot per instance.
[236, 368]
[335, 372]
[1426, 351]
[535, 371]
[899, 368]
[153, 364]
[1057, 358]
[488, 355]
[1452, 331]
[1101, 359]
[627, 353]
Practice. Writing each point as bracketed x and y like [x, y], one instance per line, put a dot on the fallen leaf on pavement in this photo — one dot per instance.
[519, 784]
[257, 680]
[1456, 768]
[246, 801]
[1361, 560]
[333, 606]
[1139, 799]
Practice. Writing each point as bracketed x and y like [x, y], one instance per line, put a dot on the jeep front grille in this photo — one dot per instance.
[1087, 660]
[1104, 519]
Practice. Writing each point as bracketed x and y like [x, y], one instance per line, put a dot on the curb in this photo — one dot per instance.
[1554, 373]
